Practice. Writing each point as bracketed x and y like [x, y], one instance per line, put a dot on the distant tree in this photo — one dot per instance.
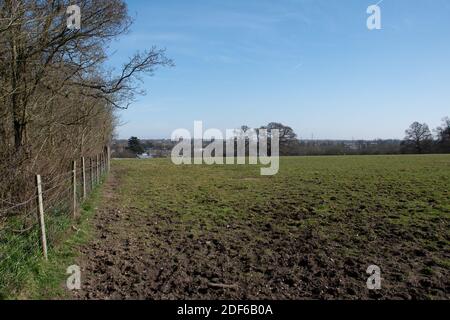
[288, 138]
[135, 146]
[418, 138]
[287, 134]
[242, 131]
[443, 134]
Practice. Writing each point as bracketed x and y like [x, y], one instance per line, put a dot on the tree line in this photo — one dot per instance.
[57, 97]
[418, 140]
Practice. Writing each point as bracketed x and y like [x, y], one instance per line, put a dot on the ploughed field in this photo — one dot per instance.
[224, 232]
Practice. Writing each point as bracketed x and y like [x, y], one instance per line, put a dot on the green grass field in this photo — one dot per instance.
[311, 231]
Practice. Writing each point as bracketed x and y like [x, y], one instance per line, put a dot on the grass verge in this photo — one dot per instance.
[24, 274]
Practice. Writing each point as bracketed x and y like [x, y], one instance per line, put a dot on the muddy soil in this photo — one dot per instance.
[155, 255]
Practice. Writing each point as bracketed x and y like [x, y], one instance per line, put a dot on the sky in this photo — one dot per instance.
[310, 64]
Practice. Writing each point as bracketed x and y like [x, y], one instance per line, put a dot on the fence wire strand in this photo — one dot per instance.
[20, 242]
[18, 205]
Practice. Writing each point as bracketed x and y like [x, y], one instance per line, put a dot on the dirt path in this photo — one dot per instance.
[113, 266]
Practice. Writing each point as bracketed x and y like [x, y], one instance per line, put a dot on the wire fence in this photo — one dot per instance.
[29, 228]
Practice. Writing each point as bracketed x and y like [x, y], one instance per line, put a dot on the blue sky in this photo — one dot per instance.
[310, 64]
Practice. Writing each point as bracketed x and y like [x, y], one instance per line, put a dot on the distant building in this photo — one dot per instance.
[351, 145]
[145, 156]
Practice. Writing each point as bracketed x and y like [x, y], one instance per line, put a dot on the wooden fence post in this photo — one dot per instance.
[101, 164]
[104, 160]
[91, 162]
[40, 209]
[98, 175]
[74, 182]
[83, 177]
[108, 155]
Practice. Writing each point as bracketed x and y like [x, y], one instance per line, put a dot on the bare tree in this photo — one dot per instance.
[287, 134]
[443, 133]
[57, 99]
[418, 136]
[38, 44]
